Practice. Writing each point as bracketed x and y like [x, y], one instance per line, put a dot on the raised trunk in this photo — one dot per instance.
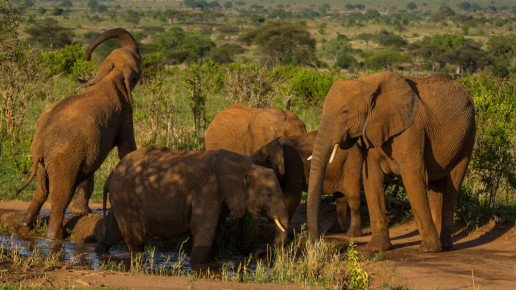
[125, 37]
[320, 155]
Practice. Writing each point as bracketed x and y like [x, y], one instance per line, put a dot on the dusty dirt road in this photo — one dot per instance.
[482, 258]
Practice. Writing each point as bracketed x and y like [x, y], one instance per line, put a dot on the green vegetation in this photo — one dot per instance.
[200, 57]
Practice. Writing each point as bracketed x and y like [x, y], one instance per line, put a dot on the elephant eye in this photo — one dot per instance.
[269, 194]
[344, 111]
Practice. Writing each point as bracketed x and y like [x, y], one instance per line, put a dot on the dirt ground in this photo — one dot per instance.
[482, 258]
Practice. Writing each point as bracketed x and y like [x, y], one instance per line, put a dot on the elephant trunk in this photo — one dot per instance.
[125, 37]
[320, 155]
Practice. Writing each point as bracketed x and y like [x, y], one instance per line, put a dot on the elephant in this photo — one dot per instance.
[422, 129]
[342, 178]
[244, 130]
[161, 192]
[74, 135]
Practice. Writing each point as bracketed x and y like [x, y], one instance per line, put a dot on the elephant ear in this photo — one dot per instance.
[130, 76]
[262, 129]
[104, 69]
[231, 171]
[393, 107]
[271, 155]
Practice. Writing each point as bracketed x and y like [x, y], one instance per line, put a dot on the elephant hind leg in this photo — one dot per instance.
[39, 198]
[79, 205]
[110, 234]
[451, 193]
[61, 189]
[132, 231]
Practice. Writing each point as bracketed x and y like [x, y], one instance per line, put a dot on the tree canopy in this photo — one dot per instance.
[282, 42]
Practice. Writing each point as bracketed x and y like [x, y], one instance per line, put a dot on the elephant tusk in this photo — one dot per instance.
[279, 225]
[309, 158]
[333, 153]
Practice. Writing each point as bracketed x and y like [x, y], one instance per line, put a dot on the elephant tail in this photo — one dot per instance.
[104, 198]
[125, 37]
[35, 162]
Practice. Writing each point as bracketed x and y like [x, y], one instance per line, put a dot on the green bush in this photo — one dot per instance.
[492, 177]
[311, 86]
[68, 61]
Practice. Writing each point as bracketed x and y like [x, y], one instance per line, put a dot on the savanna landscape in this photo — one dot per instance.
[200, 57]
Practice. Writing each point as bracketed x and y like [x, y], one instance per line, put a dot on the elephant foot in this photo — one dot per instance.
[378, 244]
[430, 247]
[354, 233]
[53, 235]
[22, 228]
[77, 210]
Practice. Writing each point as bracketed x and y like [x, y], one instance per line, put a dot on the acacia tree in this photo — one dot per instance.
[282, 42]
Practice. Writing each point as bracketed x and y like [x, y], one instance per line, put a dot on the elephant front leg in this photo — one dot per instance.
[204, 228]
[373, 187]
[79, 205]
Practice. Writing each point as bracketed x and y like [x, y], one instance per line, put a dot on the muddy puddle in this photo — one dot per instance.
[78, 247]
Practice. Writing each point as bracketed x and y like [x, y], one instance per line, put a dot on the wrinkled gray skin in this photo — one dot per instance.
[74, 135]
[422, 129]
[342, 178]
[160, 192]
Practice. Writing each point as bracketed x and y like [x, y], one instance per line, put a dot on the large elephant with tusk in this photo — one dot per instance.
[160, 192]
[422, 129]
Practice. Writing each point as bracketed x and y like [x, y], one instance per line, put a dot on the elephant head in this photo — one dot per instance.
[374, 107]
[269, 124]
[246, 186]
[125, 60]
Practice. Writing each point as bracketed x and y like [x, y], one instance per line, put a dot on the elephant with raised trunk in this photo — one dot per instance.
[74, 135]
[422, 129]
[160, 192]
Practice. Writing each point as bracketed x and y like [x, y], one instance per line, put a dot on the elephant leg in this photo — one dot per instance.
[341, 204]
[79, 205]
[204, 227]
[39, 198]
[350, 186]
[132, 230]
[110, 234]
[451, 194]
[436, 189]
[373, 186]
[218, 237]
[61, 193]
[414, 183]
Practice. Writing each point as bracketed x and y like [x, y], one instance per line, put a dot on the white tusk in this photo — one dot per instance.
[333, 153]
[279, 225]
[309, 158]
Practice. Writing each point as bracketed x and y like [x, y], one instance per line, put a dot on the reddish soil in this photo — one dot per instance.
[481, 258]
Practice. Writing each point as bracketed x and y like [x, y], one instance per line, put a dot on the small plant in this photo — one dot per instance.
[359, 278]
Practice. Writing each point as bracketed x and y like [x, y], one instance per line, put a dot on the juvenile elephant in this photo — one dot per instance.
[74, 135]
[160, 192]
[342, 178]
[422, 129]
[244, 130]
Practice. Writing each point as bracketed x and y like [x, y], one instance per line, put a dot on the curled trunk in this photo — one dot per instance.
[125, 37]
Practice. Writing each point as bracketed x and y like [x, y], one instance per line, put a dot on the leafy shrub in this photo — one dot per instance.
[311, 86]
[68, 61]
[491, 172]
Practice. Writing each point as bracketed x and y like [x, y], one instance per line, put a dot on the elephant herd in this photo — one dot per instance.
[256, 160]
